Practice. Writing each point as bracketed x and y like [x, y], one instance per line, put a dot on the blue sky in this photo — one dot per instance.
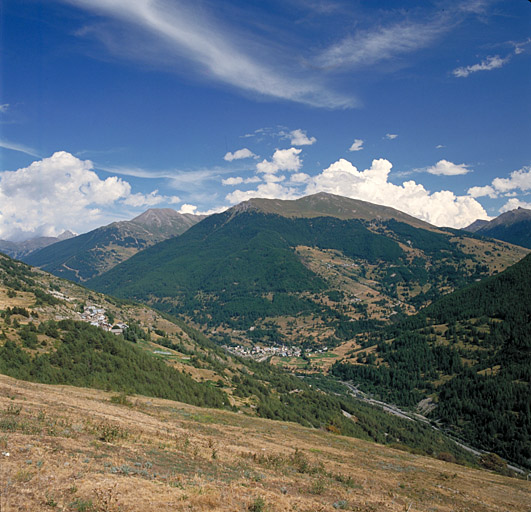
[109, 107]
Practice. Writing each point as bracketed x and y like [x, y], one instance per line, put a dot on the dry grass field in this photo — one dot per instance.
[74, 449]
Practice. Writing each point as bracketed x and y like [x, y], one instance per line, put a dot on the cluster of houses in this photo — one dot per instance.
[260, 353]
[95, 315]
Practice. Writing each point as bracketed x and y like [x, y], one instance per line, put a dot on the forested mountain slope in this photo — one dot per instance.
[513, 226]
[315, 271]
[470, 353]
[88, 255]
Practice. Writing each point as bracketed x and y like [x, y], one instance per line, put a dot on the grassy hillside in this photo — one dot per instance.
[88, 255]
[470, 353]
[307, 279]
[73, 449]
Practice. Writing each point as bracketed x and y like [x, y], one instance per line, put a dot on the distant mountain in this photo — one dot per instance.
[88, 255]
[513, 227]
[476, 225]
[18, 250]
[330, 205]
[294, 272]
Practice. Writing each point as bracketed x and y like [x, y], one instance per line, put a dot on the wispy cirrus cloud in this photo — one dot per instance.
[177, 31]
[21, 148]
[493, 61]
[487, 64]
[372, 46]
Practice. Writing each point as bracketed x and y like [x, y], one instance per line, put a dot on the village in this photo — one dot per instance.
[260, 353]
[94, 315]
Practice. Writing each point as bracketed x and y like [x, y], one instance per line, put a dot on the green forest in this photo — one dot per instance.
[471, 352]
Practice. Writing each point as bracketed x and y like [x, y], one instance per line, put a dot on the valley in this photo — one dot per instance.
[370, 329]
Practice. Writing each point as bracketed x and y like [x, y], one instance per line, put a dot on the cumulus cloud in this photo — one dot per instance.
[391, 136]
[441, 208]
[446, 168]
[299, 138]
[519, 180]
[269, 190]
[513, 204]
[283, 160]
[61, 192]
[239, 155]
[488, 64]
[152, 199]
[487, 190]
[357, 145]
[300, 177]
[238, 180]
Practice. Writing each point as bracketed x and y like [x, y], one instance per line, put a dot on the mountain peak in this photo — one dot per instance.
[324, 204]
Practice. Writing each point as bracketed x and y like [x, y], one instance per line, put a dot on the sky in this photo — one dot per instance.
[111, 107]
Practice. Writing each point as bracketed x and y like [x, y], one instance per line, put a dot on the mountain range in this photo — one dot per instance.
[313, 271]
[90, 254]
[513, 226]
[19, 250]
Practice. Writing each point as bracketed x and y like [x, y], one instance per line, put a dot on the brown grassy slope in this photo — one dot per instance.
[72, 449]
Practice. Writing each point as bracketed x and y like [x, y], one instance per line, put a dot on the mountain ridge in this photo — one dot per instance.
[326, 204]
[18, 250]
[513, 226]
[87, 255]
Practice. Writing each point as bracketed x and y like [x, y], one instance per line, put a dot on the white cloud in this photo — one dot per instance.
[357, 145]
[283, 160]
[179, 33]
[513, 204]
[21, 148]
[232, 181]
[4, 108]
[441, 208]
[152, 199]
[61, 192]
[381, 44]
[193, 210]
[299, 138]
[517, 180]
[269, 190]
[391, 136]
[439, 146]
[488, 64]
[300, 177]
[239, 155]
[482, 191]
[446, 168]
[238, 180]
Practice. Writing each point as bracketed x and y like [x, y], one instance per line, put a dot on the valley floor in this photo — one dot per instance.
[74, 449]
